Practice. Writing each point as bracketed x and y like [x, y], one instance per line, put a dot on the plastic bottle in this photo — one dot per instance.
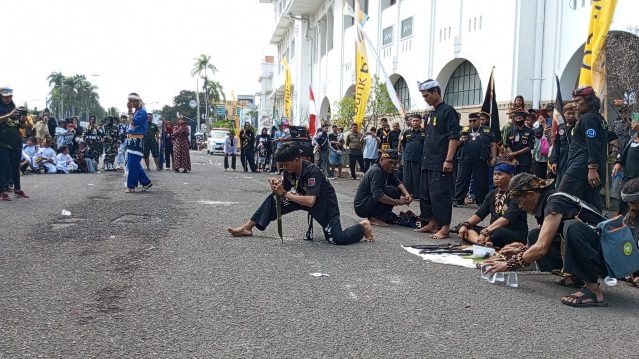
[610, 282]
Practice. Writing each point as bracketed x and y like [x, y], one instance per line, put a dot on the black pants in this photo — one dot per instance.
[168, 153]
[552, 260]
[226, 161]
[436, 200]
[376, 209]
[10, 167]
[248, 159]
[368, 162]
[523, 169]
[580, 188]
[582, 254]
[501, 237]
[541, 169]
[471, 165]
[411, 173]
[351, 162]
[332, 228]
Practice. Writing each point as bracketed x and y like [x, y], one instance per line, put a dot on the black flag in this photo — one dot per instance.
[490, 107]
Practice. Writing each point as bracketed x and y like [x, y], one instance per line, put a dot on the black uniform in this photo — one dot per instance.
[436, 186]
[412, 148]
[560, 148]
[474, 157]
[517, 228]
[376, 183]
[518, 139]
[588, 146]
[312, 182]
[629, 159]
[247, 157]
[582, 257]
[394, 137]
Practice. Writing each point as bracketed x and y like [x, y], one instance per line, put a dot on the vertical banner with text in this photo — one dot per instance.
[287, 89]
[600, 19]
[362, 73]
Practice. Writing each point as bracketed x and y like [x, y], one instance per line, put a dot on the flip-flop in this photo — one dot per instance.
[588, 294]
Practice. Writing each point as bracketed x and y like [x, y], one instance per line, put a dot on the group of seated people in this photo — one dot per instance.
[560, 216]
[44, 159]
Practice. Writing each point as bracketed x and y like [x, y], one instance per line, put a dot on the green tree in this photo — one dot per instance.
[379, 102]
[343, 111]
[181, 105]
[200, 68]
[216, 92]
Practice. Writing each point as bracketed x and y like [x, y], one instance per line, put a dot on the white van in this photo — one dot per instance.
[215, 141]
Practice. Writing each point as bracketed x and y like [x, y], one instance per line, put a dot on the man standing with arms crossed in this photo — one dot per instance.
[436, 181]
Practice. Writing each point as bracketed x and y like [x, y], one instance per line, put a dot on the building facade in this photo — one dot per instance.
[457, 42]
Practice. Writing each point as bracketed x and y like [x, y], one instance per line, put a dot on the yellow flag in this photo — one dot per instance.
[600, 19]
[235, 116]
[362, 74]
[287, 89]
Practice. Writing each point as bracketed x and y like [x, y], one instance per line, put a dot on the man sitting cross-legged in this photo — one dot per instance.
[381, 190]
[304, 187]
[508, 223]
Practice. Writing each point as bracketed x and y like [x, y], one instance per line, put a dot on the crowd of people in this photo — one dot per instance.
[38, 143]
[531, 167]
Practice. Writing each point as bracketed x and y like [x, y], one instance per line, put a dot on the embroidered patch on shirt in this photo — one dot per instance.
[311, 182]
[591, 133]
[561, 132]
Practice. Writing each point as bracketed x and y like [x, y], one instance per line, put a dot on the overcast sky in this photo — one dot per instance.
[143, 46]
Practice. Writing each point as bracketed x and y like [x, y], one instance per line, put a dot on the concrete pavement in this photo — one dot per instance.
[155, 275]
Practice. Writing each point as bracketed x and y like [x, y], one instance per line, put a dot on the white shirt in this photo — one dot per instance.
[230, 148]
[47, 153]
[63, 159]
[30, 150]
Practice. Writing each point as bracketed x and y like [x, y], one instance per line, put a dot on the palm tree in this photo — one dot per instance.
[216, 92]
[56, 79]
[202, 65]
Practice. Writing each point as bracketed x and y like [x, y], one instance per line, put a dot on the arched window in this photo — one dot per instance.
[402, 92]
[464, 86]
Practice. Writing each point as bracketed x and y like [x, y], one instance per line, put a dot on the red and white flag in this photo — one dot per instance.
[313, 122]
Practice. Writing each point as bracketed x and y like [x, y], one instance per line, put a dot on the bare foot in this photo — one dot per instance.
[441, 234]
[240, 232]
[368, 230]
[377, 222]
[427, 229]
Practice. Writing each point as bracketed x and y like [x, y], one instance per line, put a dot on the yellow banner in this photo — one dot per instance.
[287, 89]
[235, 115]
[600, 19]
[362, 74]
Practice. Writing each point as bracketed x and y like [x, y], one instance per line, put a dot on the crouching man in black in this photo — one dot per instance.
[558, 214]
[381, 190]
[304, 187]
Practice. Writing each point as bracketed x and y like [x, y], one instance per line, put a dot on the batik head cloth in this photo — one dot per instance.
[532, 184]
[583, 91]
[427, 85]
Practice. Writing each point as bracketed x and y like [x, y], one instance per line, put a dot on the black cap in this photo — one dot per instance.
[392, 154]
[473, 115]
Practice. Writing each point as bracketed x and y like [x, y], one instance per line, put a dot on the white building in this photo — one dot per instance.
[456, 42]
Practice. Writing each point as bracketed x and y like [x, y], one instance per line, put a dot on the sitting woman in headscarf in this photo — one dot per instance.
[181, 145]
[508, 223]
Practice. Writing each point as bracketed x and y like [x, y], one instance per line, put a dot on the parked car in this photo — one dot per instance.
[215, 141]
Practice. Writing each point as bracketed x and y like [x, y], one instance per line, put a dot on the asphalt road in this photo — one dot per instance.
[155, 275]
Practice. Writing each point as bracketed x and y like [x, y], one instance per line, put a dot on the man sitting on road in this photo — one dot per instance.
[304, 187]
[508, 223]
[558, 214]
[380, 191]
